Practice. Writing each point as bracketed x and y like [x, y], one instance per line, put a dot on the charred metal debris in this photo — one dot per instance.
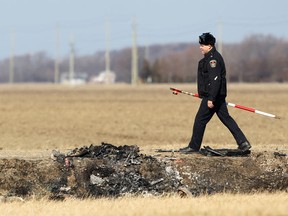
[106, 170]
[208, 151]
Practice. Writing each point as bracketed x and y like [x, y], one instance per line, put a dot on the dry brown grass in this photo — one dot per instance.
[218, 205]
[34, 118]
[39, 117]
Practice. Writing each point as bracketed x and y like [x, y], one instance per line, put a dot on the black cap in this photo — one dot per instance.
[207, 39]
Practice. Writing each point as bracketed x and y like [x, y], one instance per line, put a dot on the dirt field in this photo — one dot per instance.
[46, 117]
[34, 119]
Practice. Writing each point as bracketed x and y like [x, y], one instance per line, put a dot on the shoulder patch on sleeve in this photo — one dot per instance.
[213, 63]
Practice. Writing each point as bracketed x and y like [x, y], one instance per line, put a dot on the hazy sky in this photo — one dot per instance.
[32, 24]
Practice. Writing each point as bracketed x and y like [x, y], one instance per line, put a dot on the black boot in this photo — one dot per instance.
[245, 146]
[187, 150]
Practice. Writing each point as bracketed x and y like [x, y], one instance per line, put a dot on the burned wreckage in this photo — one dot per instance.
[106, 170]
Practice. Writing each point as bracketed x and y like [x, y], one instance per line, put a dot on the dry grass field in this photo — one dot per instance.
[41, 117]
[216, 205]
[34, 119]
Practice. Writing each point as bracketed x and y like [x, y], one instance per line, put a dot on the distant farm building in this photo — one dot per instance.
[105, 77]
[75, 79]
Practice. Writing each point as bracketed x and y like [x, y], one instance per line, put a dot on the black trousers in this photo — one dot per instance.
[204, 115]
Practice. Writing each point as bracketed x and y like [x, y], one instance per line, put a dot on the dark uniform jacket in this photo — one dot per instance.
[212, 76]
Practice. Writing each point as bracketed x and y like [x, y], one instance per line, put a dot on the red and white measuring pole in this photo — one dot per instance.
[177, 91]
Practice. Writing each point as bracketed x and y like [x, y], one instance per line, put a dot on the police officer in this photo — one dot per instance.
[212, 88]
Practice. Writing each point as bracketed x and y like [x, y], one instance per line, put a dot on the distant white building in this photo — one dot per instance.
[77, 79]
[105, 77]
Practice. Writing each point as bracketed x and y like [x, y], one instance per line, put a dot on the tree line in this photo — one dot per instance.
[258, 58]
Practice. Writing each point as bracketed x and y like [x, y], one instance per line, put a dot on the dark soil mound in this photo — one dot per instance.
[109, 171]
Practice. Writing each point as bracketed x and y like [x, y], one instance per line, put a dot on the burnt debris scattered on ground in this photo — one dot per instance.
[106, 170]
[208, 151]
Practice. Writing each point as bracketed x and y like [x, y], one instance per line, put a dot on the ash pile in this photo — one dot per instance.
[110, 171]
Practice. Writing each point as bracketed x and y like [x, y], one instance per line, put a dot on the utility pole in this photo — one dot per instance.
[147, 53]
[71, 62]
[134, 63]
[147, 62]
[11, 63]
[56, 66]
[107, 54]
[219, 47]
